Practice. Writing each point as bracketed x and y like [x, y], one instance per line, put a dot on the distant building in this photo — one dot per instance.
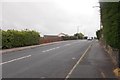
[62, 34]
[50, 36]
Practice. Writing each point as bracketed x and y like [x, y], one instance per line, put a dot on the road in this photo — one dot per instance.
[67, 59]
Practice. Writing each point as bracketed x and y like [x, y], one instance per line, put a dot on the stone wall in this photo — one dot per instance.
[111, 51]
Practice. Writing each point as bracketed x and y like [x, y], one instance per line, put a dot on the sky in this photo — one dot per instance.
[51, 17]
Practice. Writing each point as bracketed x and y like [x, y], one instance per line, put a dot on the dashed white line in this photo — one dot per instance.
[67, 44]
[15, 59]
[56, 48]
[42, 77]
[73, 58]
[48, 50]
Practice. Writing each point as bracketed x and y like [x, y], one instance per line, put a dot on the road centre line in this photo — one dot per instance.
[51, 49]
[67, 44]
[26, 56]
[30, 55]
[15, 59]
[80, 59]
[55, 48]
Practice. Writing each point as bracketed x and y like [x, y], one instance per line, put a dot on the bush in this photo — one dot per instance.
[99, 33]
[14, 38]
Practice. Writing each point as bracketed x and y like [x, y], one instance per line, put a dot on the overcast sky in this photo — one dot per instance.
[52, 16]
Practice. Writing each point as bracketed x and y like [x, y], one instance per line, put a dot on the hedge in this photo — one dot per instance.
[15, 38]
[110, 18]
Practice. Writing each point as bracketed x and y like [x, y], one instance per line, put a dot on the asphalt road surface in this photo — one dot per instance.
[65, 59]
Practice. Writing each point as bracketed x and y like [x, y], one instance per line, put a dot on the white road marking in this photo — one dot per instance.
[50, 49]
[77, 63]
[103, 75]
[42, 77]
[15, 59]
[73, 58]
[55, 48]
[67, 44]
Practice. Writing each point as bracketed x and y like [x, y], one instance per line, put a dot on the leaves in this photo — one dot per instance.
[79, 35]
[110, 15]
[14, 38]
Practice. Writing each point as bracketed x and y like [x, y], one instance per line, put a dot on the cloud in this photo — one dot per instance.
[51, 17]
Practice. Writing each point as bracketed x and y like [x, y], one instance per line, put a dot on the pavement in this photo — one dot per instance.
[67, 59]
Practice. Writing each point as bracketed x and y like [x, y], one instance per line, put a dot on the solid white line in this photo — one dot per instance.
[77, 63]
[15, 59]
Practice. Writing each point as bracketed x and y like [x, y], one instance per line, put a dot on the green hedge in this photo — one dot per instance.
[15, 38]
[110, 18]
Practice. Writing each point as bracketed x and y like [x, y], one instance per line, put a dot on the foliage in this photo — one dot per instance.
[15, 38]
[76, 36]
[0, 39]
[69, 38]
[85, 37]
[79, 35]
[99, 33]
[110, 15]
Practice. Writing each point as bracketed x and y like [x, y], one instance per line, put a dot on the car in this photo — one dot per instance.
[89, 38]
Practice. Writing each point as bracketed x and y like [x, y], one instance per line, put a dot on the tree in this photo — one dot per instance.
[98, 33]
[79, 35]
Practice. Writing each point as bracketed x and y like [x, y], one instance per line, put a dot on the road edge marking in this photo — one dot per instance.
[15, 59]
[68, 75]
